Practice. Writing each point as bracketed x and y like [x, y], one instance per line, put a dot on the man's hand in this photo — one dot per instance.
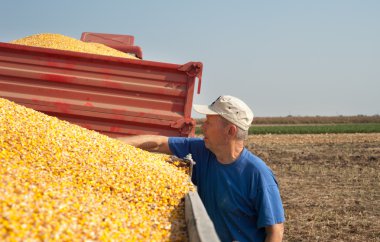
[274, 233]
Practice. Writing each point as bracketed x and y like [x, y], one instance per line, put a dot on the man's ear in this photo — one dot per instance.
[232, 130]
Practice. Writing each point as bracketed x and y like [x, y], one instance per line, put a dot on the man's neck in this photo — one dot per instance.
[230, 152]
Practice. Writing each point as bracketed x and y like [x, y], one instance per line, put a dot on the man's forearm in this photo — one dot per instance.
[273, 237]
[153, 143]
[274, 233]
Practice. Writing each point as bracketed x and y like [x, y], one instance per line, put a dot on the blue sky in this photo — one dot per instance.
[296, 57]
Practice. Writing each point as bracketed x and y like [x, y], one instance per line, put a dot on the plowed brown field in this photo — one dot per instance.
[330, 184]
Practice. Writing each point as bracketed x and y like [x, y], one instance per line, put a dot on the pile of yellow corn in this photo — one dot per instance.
[61, 182]
[61, 42]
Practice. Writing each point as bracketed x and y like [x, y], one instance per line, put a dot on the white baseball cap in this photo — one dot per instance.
[230, 108]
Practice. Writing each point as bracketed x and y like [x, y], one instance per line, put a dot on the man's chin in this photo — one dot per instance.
[206, 143]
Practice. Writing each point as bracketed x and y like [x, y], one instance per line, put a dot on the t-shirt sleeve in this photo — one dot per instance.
[181, 147]
[269, 206]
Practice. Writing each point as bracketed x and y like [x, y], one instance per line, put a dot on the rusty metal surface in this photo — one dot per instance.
[112, 95]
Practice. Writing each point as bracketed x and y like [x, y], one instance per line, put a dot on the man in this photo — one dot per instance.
[238, 190]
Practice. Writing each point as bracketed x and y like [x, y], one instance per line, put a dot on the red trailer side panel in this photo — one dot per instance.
[112, 95]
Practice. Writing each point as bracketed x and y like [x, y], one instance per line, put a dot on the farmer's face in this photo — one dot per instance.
[214, 131]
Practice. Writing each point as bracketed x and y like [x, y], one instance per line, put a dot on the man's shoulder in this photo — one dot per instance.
[255, 163]
[252, 159]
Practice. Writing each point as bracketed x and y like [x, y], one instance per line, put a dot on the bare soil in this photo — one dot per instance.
[329, 183]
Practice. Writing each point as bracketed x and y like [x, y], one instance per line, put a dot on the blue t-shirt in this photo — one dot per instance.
[241, 198]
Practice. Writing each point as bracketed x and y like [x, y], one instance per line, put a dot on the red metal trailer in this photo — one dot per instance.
[124, 43]
[112, 95]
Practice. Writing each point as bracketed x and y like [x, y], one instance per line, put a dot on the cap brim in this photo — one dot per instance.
[203, 109]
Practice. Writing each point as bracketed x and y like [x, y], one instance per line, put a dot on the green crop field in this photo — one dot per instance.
[313, 128]
[317, 129]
